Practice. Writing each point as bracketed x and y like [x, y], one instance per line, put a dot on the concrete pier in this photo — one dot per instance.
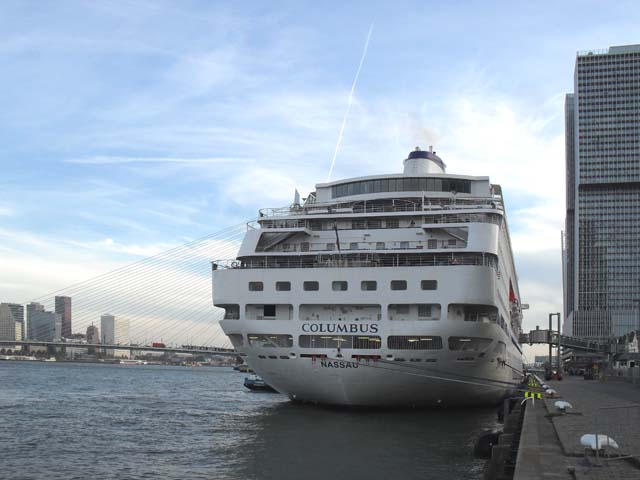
[550, 441]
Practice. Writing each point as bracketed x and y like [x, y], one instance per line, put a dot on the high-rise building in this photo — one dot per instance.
[11, 321]
[63, 307]
[93, 334]
[43, 325]
[602, 239]
[115, 331]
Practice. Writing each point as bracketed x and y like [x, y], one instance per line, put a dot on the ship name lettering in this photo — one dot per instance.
[337, 364]
[339, 328]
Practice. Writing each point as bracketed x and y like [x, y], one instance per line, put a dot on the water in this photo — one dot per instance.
[69, 420]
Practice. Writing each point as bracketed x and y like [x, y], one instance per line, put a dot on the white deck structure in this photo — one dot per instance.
[388, 290]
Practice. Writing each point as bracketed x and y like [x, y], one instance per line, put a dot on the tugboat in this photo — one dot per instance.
[255, 383]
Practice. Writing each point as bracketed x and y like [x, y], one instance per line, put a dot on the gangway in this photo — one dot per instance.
[576, 343]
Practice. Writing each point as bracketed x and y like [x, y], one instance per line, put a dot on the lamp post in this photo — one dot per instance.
[551, 315]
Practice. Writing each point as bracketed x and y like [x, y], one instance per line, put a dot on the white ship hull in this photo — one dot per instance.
[381, 384]
[386, 291]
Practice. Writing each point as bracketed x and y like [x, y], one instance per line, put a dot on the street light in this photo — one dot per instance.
[551, 315]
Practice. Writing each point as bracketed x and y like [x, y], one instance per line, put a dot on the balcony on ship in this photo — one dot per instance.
[359, 260]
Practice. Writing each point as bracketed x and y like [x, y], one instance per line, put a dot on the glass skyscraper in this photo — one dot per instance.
[602, 231]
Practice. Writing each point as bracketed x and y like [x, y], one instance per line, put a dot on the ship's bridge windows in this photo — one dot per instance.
[270, 340]
[353, 246]
[269, 312]
[403, 184]
[414, 311]
[469, 344]
[368, 285]
[428, 284]
[236, 339]
[380, 246]
[283, 286]
[473, 313]
[339, 286]
[256, 286]
[340, 313]
[414, 342]
[364, 342]
[231, 311]
[398, 284]
[311, 286]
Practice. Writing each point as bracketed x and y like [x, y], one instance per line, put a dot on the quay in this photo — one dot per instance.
[550, 447]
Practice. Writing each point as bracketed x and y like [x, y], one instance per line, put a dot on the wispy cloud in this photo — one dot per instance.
[6, 212]
[103, 160]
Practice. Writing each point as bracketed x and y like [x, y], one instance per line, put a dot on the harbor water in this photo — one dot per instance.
[70, 420]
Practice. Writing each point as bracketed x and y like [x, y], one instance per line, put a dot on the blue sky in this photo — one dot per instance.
[127, 127]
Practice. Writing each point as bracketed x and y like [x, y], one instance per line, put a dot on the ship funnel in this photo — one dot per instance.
[421, 162]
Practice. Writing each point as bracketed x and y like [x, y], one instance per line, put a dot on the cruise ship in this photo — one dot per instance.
[386, 291]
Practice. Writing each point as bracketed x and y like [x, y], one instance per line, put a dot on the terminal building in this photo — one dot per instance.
[602, 231]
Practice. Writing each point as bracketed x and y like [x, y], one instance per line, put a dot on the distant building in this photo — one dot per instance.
[93, 334]
[17, 311]
[19, 331]
[42, 325]
[115, 331]
[602, 247]
[63, 308]
[11, 321]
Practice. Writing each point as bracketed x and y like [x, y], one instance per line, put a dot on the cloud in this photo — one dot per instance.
[6, 212]
[102, 160]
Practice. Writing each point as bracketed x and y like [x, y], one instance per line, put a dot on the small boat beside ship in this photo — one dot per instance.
[255, 383]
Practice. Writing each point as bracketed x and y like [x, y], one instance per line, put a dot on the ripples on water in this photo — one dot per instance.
[128, 422]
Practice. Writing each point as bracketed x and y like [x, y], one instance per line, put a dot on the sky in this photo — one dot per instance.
[130, 127]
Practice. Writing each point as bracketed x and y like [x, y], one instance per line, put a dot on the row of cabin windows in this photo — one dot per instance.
[394, 342]
[343, 286]
[432, 243]
[404, 184]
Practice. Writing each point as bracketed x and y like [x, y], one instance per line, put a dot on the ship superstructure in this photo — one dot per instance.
[386, 290]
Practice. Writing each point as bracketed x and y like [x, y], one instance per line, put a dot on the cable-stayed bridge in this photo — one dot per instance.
[163, 299]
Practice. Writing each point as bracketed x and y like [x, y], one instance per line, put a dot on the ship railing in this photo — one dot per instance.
[359, 261]
[374, 224]
[430, 205]
[365, 246]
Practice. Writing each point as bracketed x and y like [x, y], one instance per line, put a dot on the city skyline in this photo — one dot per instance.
[180, 139]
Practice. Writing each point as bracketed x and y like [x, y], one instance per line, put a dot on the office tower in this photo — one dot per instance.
[107, 329]
[63, 307]
[17, 311]
[11, 320]
[93, 334]
[115, 331]
[42, 325]
[602, 257]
